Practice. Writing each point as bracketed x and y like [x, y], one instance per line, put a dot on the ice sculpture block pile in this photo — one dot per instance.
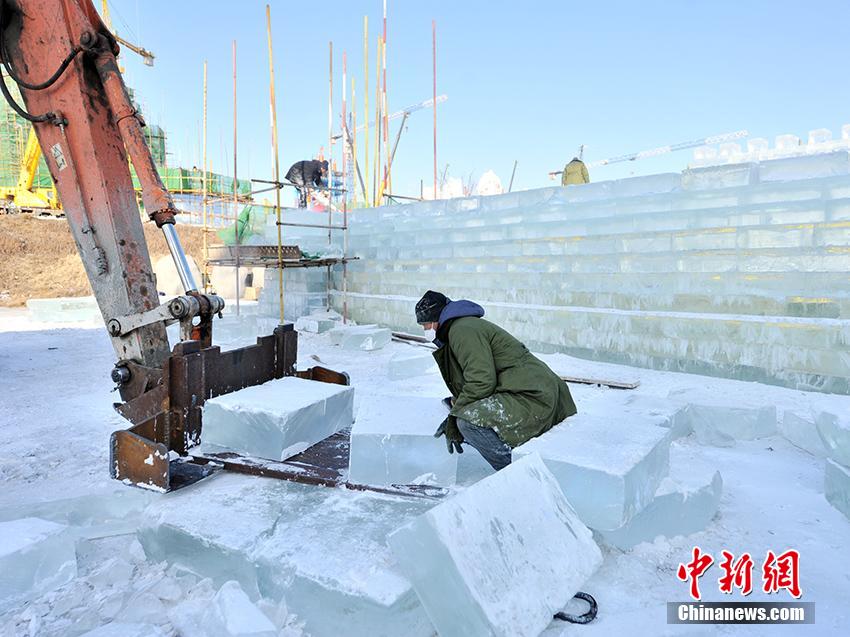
[503, 556]
[277, 419]
[392, 442]
[735, 270]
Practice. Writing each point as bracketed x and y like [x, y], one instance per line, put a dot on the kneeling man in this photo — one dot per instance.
[502, 395]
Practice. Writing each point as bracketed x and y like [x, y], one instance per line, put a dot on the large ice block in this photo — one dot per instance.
[64, 309]
[392, 442]
[409, 364]
[800, 429]
[231, 614]
[328, 557]
[35, 556]
[277, 419]
[362, 337]
[720, 424]
[314, 324]
[501, 557]
[684, 503]
[608, 465]
[837, 486]
[834, 431]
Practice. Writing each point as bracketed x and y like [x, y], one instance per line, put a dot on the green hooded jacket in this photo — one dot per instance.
[496, 382]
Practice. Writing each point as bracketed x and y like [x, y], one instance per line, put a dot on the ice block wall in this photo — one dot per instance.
[738, 270]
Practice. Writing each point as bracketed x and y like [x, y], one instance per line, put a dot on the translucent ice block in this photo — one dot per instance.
[277, 419]
[721, 424]
[835, 433]
[685, 502]
[392, 442]
[837, 486]
[799, 428]
[231, 614]
[501, 557]
[64, 310]
[608, 466]
[35, 556]
[314, 324]
[408, 364]
[362, 337]
[328, 557]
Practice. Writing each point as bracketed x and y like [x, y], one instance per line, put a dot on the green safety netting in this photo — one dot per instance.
[251, 221]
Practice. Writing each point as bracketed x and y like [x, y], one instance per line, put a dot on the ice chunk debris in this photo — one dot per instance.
[35, 556]
[125, 629]
[231, 614]
[685, 502]
[314, 324]
[409, 364]
[502, 556]
[392, 442]
[362, 337]
[609, 465]
[720, 425]
[835, 433]
[837, 486]
[799, 428]
[277, 419]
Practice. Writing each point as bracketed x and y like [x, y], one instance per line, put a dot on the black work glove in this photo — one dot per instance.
[448, 428]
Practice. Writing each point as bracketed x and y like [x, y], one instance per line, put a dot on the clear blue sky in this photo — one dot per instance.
[526, 81]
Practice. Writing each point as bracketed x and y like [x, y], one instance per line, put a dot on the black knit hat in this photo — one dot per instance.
[429, 307]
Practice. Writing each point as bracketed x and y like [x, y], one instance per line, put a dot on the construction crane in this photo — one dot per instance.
[23, 196]
[62, 56]
[663, 150]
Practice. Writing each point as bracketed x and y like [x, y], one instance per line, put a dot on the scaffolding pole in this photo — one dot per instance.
[273, 108]
[366, 103]
[206, 275]
[434, 61]
[235, 184]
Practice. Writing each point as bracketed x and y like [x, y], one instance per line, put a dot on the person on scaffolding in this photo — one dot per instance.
[306, 174]
[502, 395]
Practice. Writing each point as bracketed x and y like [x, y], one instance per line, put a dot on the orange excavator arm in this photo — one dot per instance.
[64, 61]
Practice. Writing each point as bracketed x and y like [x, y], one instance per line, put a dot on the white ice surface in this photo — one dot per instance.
[392, 442]
[773, 493]
[834, 430]
[125, 629]
[277, 419]
[412, 363]
[360, 337]
[837, 486]
[494, 569]
[800, 429]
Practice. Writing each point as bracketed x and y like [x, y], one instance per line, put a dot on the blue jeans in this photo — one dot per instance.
[487, 442]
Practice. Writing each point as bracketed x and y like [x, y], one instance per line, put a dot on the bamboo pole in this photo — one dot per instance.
[235, 183]
[354, 135]
[330, 137]
[434, 60]
[366, 100]
[344, 127]
[378, 125]
[206, 277]
[386, 108]
[273, 107]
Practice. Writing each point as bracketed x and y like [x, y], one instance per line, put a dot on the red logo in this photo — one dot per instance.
[778, 572]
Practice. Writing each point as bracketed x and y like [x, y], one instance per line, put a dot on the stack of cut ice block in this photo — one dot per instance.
[835, 434]
[683, 272]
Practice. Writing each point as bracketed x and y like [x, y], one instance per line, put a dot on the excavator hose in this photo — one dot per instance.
[585, 618]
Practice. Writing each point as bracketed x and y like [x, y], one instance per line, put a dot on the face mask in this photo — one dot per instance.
[430, 334]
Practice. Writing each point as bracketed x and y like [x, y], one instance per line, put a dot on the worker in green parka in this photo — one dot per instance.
[502, 395]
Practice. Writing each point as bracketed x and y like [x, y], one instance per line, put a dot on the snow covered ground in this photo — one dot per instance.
[57, 416]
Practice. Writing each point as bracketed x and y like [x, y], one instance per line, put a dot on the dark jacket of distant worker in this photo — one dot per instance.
[310, 172]
[575, 172]
[502, 395]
